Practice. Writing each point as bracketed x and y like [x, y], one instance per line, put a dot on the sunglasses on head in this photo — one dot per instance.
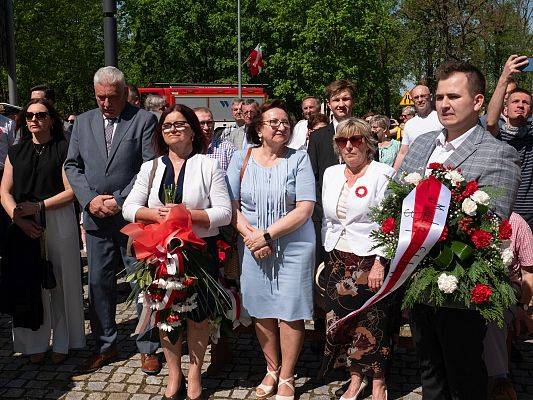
[39, 115]
[355, 141]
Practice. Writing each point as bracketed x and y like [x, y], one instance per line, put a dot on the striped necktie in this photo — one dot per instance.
[109, 133]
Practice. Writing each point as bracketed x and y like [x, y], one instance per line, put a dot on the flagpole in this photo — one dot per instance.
[239, 68]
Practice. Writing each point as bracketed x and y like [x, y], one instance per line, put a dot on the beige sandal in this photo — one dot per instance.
[268, 390]
[288, 383]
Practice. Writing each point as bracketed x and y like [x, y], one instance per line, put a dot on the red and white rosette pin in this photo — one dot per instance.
[361, 191]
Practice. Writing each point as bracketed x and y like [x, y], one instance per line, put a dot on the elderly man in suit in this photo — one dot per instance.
[450, 339]
[107, 148]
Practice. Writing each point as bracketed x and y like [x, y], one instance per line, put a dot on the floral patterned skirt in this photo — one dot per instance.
[365, 341]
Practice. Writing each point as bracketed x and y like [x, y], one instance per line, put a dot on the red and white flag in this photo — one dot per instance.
[256, 60]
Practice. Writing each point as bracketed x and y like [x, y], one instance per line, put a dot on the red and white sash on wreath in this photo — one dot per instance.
[424, 213]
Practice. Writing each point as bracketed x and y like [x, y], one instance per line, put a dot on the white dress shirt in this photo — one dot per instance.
[357, 226]
[204, 189]
[444, 149]
[417, 126]
[298, 139]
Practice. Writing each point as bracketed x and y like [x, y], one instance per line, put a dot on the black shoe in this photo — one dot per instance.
[180, 394]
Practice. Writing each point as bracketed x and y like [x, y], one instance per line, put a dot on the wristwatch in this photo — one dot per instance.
[267, 237]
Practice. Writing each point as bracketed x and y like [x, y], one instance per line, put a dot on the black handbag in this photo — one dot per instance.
[48, 279]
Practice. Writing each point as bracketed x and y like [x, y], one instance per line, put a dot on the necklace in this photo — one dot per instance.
[37, 147]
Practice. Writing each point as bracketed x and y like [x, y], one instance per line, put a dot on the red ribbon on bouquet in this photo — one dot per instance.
[153, 240]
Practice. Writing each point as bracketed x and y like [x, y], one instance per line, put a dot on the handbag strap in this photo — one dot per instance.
[245, 163]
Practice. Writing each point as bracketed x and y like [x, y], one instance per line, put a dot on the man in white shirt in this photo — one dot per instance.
[310, 106]
[426, 120]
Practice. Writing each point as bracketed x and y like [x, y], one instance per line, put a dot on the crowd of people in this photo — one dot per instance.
[298, 199]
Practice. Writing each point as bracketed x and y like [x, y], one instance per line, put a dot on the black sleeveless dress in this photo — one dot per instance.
[37, 175]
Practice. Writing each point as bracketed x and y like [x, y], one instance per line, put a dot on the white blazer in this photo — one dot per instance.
[204, 188]
[357, 223]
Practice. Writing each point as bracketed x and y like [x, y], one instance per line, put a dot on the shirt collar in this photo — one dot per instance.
[454, 144]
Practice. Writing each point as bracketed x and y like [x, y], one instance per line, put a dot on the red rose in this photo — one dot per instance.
[188, 281]
[444, 234]
[173, 318]
[481, 238]
[388, 225]
[505, 230]
[480, 293]
[156, 296]
[470, 188]
[436, 165]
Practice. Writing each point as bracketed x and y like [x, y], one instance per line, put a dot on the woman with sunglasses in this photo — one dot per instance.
[37, 196]
[198, 183]
[354, 271]
[273, 192]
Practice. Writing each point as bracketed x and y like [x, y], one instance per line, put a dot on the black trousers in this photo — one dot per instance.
[450, 346]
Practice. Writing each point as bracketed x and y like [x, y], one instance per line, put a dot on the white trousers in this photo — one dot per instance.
[62, 306]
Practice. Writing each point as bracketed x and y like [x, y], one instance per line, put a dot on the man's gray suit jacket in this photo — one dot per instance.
[91, 172]
[482, 157]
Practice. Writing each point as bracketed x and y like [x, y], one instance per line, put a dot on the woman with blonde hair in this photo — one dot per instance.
[354, 270]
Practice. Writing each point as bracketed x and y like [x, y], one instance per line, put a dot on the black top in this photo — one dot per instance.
[37, 169]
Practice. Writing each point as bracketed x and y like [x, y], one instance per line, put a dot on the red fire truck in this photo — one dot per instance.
[217, 98]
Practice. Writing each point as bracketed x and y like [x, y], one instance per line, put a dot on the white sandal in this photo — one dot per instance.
[362, 387]
[289, 384]
[268, 390]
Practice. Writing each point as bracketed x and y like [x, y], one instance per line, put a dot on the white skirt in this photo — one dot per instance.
[62, 306]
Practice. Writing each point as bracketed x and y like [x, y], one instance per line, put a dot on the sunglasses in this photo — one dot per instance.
[355, 141]
[41, 115]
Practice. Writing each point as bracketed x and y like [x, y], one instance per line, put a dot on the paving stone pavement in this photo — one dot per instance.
[123, 379]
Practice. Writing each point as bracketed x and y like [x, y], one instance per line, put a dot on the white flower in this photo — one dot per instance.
[469, 207]
[413, 178]
[140, 299]
[481, 197]
[455, 177]
[447, 283]
[160, 283]
[507, 256]
[164, 326]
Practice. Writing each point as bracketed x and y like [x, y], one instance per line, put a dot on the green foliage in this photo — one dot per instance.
[381, 45]
[58, 43]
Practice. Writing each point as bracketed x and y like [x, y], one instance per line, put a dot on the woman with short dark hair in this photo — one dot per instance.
[273, 193]
[37, 196]
[198, 183]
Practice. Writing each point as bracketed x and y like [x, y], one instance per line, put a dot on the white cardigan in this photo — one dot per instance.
[204, 188]
[357, 223]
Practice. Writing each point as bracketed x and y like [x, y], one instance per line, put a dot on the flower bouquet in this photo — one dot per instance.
[170, 266]
[467, 266]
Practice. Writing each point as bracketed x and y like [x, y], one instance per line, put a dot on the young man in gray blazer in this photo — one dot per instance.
[450, 339]
[107, 148]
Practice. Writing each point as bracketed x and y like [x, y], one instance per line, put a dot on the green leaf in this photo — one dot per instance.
[462, 250]
[445, 258]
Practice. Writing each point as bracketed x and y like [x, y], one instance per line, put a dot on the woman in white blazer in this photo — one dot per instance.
[200, 185]
[353, 269]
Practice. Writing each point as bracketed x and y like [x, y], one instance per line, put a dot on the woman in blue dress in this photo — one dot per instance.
[273, 193]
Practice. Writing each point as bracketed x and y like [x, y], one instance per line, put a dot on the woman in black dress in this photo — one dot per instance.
[37, 197]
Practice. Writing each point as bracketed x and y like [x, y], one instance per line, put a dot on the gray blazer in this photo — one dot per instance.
[91, 172]
[492, 162]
